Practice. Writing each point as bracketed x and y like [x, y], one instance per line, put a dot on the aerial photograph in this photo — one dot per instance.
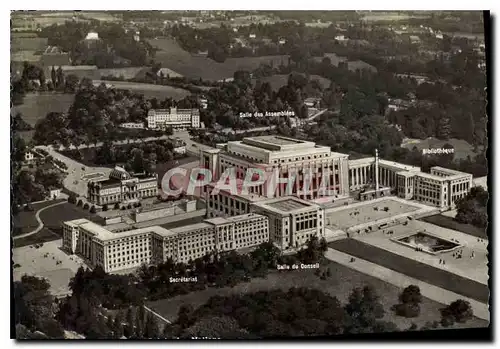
[225, 174]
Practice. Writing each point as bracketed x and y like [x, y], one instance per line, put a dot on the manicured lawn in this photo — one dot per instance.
[339, 284]
[26, 221]
[450, 223]
[44, 235]
[53, 217]
[417, 270]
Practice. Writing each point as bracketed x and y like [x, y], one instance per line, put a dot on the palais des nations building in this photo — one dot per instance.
[239, 220]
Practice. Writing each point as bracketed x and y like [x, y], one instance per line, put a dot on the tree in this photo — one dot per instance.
[86, 206]
[72, 199]
[411, 294]
[104, 207]
[80, 203]
[365, 309]
[93, 209]
[151, 328]
[459, 311]
[117, 206]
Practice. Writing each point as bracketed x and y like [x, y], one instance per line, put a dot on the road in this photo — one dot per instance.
[40, 223]
[73, 180]
[432, 292]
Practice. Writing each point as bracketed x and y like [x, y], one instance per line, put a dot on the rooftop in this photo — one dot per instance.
[286, 204]
[276, 143]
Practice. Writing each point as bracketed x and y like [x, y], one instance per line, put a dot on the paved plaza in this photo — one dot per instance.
[42, 262]
[356, 216]
[474, 255]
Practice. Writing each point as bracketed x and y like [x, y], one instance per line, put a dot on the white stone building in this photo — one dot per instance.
[173, 117]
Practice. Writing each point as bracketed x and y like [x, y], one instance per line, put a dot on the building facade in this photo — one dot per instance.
[116, 252]
[122, 187]
[302, 162]
[292, 221]
[441, 187]
[173, 117]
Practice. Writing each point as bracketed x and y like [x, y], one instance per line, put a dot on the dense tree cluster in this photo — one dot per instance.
[115, 48]
[457, 311]
[96, 114]
[472, 209]
[136, 157]
[293, 313]
[18, 124]
[34, 307]
[239, 96]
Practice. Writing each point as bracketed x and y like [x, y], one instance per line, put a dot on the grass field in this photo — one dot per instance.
[37, 105]
[53, 217]
[412, 268]
[150, 90]
[462, 148]
[44, 235]
[26, 221]
[450, 223]
[127, 73]
[172, 56]
[340, 285]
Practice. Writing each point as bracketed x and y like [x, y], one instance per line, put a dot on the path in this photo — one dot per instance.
[157, 315]
[400, 280]
[40, 223]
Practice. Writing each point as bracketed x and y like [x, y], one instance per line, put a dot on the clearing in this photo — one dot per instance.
[149, 90]
[172, 56]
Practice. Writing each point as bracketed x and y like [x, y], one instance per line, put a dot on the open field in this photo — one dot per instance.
[374, 16]
[172, 56]
[26, 221]
[462, 148]
[412, 268]
[37, 105]
[149, 90]
[42, 262]
[23, 43]
[450, 223]
[340, 285]
[127, 73]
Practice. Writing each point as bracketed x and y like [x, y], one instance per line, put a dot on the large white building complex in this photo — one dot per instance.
[282, 157]
[130, 249]
[323, 170]
[441, 187]
[122, 187]
[173, 117]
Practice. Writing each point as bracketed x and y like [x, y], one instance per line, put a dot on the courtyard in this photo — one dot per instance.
[47, 261]
[361, 213]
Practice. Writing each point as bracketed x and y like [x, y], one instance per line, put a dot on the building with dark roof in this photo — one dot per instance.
[122, 187]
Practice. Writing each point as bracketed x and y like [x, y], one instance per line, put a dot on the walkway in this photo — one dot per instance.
[400, 280]
[40, 223]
